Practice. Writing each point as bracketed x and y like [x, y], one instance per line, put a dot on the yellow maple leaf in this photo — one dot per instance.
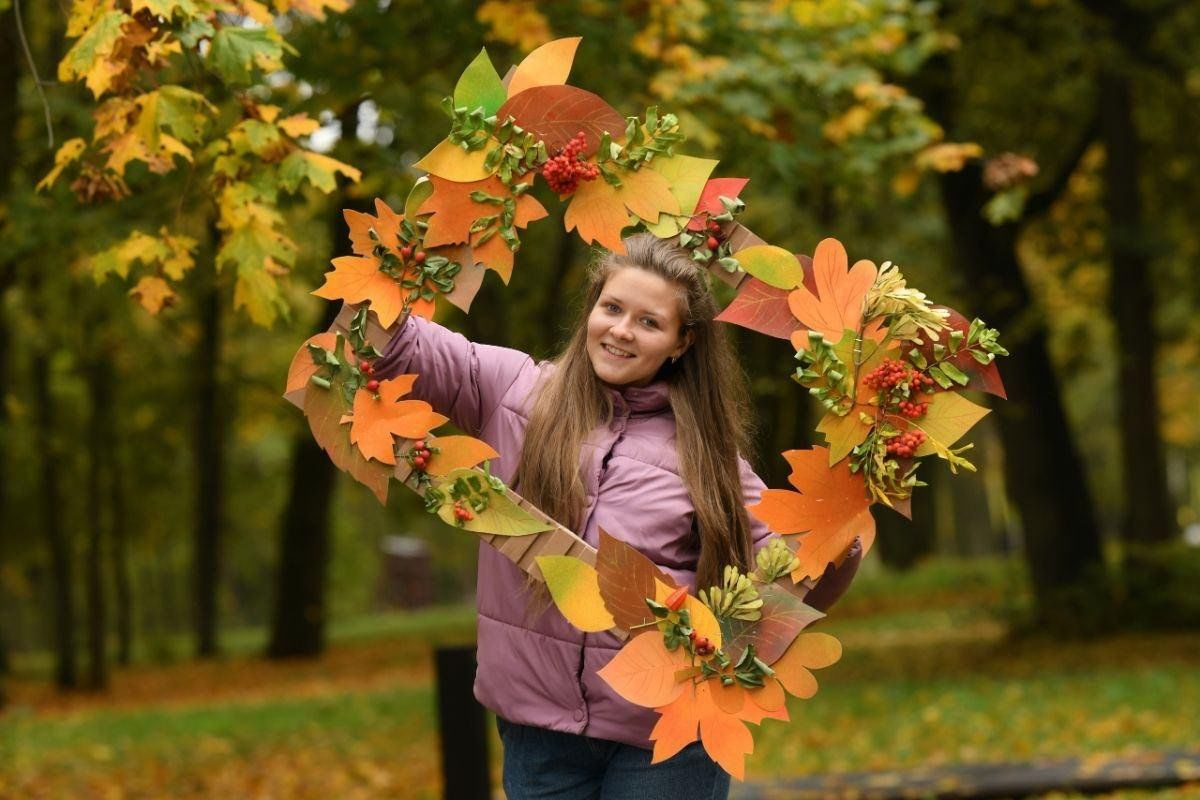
[598, 210]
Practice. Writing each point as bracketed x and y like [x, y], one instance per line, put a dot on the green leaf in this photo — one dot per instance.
[771, 265]
[502, 516]
[237, 52]
[422, 190]
[183, 113]
[96, 42]
[480, 86]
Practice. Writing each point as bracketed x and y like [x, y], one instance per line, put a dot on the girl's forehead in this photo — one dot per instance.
[644, 289]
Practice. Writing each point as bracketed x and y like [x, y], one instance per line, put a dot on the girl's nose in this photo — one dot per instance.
[623, 328]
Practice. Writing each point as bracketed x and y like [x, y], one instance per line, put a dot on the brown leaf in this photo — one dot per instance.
[626, 580]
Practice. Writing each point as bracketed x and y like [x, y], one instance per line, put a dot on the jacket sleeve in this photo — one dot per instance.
[461, 379]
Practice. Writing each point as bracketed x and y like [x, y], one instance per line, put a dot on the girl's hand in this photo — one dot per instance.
[836, 580]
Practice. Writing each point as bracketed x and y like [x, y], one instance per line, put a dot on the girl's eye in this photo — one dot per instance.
[649, 322]
[613, 307]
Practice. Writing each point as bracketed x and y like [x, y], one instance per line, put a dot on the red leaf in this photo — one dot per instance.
[556, 113]
[984, 377]
[710, 198]
[763, 308]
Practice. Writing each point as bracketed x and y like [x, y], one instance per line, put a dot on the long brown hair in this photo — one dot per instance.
[708, 395]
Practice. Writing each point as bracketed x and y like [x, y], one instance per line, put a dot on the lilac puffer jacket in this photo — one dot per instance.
[543, 672]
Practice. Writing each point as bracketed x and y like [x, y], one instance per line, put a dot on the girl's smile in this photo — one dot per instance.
[635, 327]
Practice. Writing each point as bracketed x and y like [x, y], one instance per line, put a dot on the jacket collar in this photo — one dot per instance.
[641, 399]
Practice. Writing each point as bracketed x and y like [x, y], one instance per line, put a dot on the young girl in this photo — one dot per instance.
[638, 428]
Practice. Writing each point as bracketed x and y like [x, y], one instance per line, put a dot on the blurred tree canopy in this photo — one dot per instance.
[1033, 164]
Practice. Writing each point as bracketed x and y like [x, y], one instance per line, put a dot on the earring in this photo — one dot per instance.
[674, 359]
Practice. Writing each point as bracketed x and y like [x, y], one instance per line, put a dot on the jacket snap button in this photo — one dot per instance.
[579, 715]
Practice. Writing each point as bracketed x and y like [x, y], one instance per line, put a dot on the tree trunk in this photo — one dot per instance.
[99, 386]
[57, 538]
[122, 584]
[209, 461]
[298, 622]
[901, 542]
[1042, 465]
[1148, 515]
[9, 117]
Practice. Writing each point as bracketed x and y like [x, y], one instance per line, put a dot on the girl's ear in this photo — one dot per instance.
[689, 336]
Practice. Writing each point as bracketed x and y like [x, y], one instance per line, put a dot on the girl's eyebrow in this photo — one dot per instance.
[612, 297]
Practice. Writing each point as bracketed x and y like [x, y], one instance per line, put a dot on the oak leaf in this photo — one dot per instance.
[830, 509]
[380, 417]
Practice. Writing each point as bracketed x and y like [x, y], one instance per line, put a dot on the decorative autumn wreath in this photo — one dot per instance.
[884, 362]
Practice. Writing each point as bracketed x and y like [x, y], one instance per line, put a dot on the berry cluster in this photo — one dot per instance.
[912, 410]
[892, 373]
[461, 512]
[368, 369]
[407, 252]
[701, 645]
[419, 455]
[564, 171]
[905, 444]
[714, 235]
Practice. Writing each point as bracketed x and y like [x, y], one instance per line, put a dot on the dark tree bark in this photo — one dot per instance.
[209, 463]
[9, 74]
[1043, 469]
[122, 583]
[298, 621]
[57, 538]
[1148, 515]
[901, 542]
[100, 391]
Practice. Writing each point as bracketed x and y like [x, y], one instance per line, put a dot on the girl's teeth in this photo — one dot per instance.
[616, 352]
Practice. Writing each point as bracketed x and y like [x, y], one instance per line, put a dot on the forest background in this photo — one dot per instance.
[1031, 163]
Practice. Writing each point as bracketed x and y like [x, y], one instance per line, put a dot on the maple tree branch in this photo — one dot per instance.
[37, 80]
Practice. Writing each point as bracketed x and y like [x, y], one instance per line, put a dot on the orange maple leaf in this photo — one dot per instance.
[358, 279]
[385, 223]
[454, 212]
[378, 418]
[599, 210]
[810, 651]
[837, 304]
[830, 509]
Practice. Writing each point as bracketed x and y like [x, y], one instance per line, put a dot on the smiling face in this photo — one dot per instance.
[635, 326]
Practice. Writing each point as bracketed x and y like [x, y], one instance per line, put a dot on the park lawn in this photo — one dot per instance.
[928, 677]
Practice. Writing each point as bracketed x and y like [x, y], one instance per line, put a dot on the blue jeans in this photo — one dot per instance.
[549, 765]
